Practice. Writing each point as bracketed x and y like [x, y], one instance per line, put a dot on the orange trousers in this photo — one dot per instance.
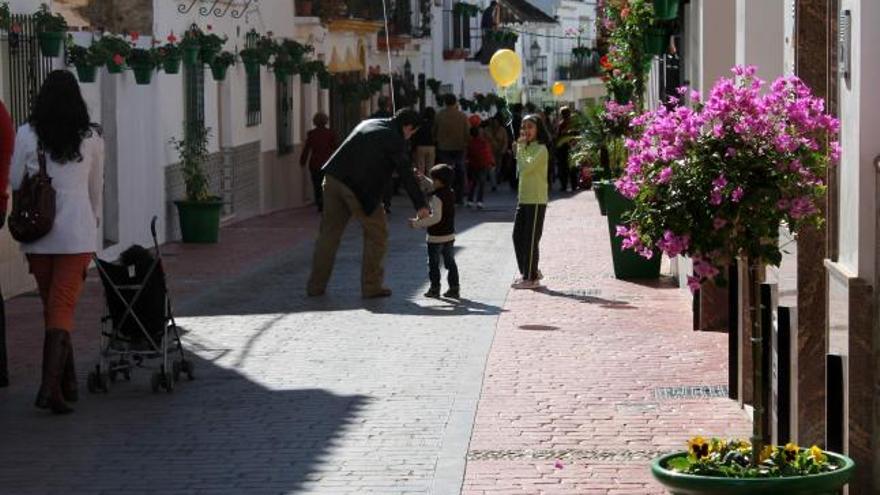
[60, 279]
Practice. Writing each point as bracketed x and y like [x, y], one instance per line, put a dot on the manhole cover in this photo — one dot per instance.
[692, 392]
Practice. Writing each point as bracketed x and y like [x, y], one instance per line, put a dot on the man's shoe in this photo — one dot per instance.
[383, 292]
[452, 293]
[527, 284]
[433, 292]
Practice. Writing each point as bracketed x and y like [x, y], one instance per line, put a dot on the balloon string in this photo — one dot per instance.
[388, 52]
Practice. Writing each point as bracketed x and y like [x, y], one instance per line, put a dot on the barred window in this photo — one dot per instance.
[254, 104]
[194, 89]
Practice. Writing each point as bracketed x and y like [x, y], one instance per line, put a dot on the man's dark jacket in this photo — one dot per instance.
[367, 158]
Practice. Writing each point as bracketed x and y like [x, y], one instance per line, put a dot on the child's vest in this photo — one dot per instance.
[446, 226]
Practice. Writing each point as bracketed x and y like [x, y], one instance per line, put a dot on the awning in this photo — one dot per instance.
[519, 11]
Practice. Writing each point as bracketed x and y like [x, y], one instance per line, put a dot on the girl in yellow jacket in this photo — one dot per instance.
[532, 159]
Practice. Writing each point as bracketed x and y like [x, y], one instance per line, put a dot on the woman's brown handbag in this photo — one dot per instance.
[33, 206]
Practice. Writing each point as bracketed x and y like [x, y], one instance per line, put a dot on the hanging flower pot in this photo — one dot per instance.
[50, 43]
[221, 65]
[219, 72]
[251, 67]
[207, 55]
[656, 41]
[116, 64]
[305, 77]
[190, 55]
[666, 10]
[171, 65]
[86, 73]
[143, 74]
[281, 75]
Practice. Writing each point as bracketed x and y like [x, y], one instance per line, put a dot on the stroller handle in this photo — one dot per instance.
[153, 228]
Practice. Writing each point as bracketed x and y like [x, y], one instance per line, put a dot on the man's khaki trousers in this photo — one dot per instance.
[340, 204]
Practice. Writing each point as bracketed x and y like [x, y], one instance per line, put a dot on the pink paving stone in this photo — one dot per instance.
[574, 367]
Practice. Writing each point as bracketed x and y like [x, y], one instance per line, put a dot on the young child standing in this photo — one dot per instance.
[532, 167]
[441, 231]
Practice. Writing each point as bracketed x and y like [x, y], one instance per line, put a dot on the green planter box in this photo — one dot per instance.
[816, 484]
[199, 221]
[600, 187]
[143, 74]
[219, 72]
[51, 43]
[171, 65]
[190, 55]
[666, 10]
[86, 73]
[628, 264]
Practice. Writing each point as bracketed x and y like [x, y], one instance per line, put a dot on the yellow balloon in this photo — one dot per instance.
[505, 67]
[558, 88]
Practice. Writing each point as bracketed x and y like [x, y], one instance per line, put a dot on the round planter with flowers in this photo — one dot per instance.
[142, 62]
[118, 50]
[221, 64]
[715, 181]
[190, 46]
[87, 60]
[210, 45]
[169, 55]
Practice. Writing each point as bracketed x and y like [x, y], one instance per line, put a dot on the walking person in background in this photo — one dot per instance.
[451, 133]
[565, 132]
[60, 134]
[532, 159]
[319, 146]
[423, 141]
[496, 134]
[480, 162]
[354, 178]
[7, 141]
[441, 232]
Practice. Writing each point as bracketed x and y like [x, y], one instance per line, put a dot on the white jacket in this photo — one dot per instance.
[79, 188]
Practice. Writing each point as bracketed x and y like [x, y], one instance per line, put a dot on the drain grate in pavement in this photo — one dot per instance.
[692, 392]
[565, 454]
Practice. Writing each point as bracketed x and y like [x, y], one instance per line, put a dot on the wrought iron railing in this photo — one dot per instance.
[27, 68]
[570, 67]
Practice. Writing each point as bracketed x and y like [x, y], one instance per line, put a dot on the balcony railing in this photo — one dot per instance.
[464, 39]
[570, 67]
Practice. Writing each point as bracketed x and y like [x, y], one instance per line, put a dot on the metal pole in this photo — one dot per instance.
[757, 360]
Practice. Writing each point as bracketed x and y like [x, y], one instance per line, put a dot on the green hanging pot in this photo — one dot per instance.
[51, 43]
[305, 78]
[190, 55]
[208, 56]
[656, 41]
[171, 65]
[114, 68]
[143, 74]
[281, 74]
[628, 264]
[251, 66]
[666, 10]
[86, 73]
[219, 72]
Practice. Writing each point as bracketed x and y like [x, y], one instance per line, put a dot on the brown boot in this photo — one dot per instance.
[56, 348]
[69, 388]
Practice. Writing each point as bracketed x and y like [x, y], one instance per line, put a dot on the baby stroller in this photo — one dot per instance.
[138, 324]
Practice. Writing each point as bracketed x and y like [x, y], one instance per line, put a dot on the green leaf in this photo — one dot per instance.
[679, 464]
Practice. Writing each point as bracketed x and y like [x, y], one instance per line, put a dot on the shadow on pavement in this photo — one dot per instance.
[220, 433]
[585, 298]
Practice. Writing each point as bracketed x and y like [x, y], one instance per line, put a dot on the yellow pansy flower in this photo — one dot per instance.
[698, 447]
[817, 454]
[791, 452]
[766, 453]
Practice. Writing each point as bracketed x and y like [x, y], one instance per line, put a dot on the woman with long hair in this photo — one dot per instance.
[60, 132]
[532, 162]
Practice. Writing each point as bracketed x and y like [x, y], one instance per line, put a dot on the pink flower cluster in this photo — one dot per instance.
[632, 241]
[725, 156]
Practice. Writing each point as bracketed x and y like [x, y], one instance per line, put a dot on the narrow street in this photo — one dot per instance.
[559, 390]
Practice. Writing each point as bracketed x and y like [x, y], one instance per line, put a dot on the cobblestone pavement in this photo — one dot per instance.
[339, 395]
[589, 378]
[293, 395]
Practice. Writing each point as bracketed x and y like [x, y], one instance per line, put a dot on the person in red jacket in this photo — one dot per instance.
[319, 147]
[480, 161]
[7, 142]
